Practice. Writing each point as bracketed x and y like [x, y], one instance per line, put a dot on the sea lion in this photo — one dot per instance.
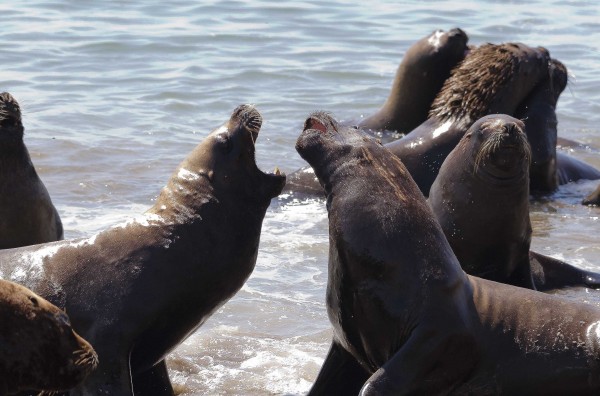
[493, 79]
[137, 290]
[38, 348]
[419, 78]
[27, 215]
[481, 200]
[593, 198]
[480, 197]
[406, 318]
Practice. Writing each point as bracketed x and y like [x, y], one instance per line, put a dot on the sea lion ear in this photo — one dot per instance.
[468, 135]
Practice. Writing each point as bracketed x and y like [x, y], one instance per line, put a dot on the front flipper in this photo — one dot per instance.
[571, 169]
[550, 273]
[153, 382]
[429, 363]
[110, 378]
[341, 374]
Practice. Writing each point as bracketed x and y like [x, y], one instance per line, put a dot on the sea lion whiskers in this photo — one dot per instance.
[86, 357]
[497, 139]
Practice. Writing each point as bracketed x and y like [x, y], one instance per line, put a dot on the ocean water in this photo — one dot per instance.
[115, 94]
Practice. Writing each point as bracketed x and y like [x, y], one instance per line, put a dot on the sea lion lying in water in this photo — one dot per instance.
[38, 348]
[406, 318]
[27, 215]
[137, 290]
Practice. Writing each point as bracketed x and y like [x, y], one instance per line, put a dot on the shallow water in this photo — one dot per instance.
[116, 94]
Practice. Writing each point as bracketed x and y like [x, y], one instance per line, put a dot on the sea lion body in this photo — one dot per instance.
[27, 215]
[38, 348]
[493, 79]
[420, 76]
[139, 289]
[406, 319]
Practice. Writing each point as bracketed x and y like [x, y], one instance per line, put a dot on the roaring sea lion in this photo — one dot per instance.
[593, 198]
[493, 79]
[419, 78]
[481, 200]
[27, 215]
[406, 318]
[137, 290]
[38, 348]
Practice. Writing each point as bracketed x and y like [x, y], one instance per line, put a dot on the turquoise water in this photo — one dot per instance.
[115, 94]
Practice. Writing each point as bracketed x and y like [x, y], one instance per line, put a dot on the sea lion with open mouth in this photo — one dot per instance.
[137, 290]
[406, 318]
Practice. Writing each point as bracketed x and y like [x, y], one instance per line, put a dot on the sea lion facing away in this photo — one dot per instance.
[419, 78]
[27, 215]
[406, 319]
[137, 290]
[38, 348]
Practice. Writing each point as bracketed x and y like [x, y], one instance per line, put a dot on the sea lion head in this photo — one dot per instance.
[11, 126]
[38, 348]
[499, 147]
[328, 146]
[493, 78]
[227, 159]
[449, 47]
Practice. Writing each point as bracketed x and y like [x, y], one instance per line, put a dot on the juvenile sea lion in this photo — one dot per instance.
[406, 318]
[27, 215]
[38, 348]
[419, 78]
[493, 79]
[481, 200]
[137, 290]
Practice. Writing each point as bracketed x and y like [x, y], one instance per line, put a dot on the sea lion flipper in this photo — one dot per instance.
[153, 382]
[571, 169]
[427, 364]
[550, 273]
[340, 374]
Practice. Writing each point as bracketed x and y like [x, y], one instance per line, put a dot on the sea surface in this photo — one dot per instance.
[116, 93]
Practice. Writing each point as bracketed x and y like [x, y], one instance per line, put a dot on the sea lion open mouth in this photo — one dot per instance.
[246, 119]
